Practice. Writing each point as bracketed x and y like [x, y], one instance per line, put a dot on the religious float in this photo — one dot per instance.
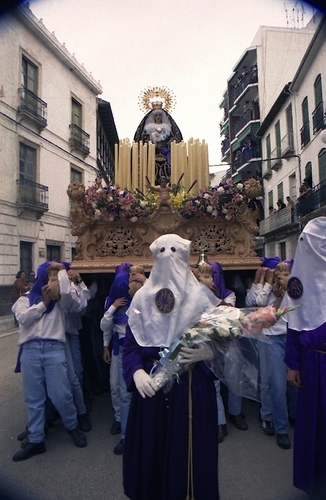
[162, 186]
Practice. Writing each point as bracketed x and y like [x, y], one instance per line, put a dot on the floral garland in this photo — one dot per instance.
[227, 200]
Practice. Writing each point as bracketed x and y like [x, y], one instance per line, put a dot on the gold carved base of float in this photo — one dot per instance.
[101, 245]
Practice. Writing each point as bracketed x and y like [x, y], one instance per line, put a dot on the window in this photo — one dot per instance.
[282, 250]
[27, 174]
[29, 75]
[30, 84]
[76, 109]
[322, 164]
[318, 112]
[268, 151]
[76, 175]
[270, 199]
[53, 252]
[308, 173]
[278, 138]
[305, 130]
[289, 127]
[280, 192]
[27, 162]
[26, 256]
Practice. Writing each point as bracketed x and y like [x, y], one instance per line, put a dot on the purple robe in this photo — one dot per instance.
[306, 352]
[155, 457]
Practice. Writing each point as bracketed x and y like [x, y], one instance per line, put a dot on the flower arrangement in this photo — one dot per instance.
[221, 326]
[227, 200]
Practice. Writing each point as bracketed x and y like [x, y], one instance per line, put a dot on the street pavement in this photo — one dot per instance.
[251, 465]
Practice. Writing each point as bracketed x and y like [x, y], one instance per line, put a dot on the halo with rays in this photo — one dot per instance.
[157, 97]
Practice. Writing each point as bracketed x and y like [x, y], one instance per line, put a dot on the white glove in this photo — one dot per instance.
[190, 355]
[144, 383]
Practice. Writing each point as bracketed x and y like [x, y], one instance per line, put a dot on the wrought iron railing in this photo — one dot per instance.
[79, 138]
[242, 122]
[246, 155]
[313, 200]
[33, 106]
[318, 118]
[250, 78]
[305, 134]
[33, 195]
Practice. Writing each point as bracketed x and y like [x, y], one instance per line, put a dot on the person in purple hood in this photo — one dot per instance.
[305, 357]
[41, 314]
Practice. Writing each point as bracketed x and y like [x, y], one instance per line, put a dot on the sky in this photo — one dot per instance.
[187, 46]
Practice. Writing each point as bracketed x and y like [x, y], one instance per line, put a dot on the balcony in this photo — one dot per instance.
[246, 155]
[318, 118]
[280, 219]
[248, 116]
[79, 139]
[276, 160]
[249, 78]
[287, 145]
[225, 146]
[32, 108]
[32, 196]
[314, 200]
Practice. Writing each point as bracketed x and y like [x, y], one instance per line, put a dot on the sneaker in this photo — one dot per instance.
[30, 450]
[239, 421]
[222, 432]
[115, 428]
[267, 427]
[118, 450]
[84, 422]
[283, 441]
[78, 437]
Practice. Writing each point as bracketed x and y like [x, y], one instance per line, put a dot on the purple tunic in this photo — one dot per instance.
[155, 457]
[303, 353]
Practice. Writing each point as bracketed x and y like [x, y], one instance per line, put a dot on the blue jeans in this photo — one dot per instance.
[273, 371]
[114, 386]
[125, 397]
[44, 371]
[74, 345]
[77, 391]
[234, 403]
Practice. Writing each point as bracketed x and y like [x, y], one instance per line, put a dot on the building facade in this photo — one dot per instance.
[49, 137]
[296, 174]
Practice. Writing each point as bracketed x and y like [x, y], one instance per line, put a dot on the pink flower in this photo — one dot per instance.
[264, 317]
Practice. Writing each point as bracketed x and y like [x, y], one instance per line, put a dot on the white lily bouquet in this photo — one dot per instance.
[223, 327]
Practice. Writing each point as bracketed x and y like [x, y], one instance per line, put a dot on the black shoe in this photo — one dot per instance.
[23, 434]
[118, 450]
[78, 437]
[283, 441]
[84, 422]
[115, 428]
[239, 421]
[24, 443]
[267, 427]
[222, 432]
[30, 450]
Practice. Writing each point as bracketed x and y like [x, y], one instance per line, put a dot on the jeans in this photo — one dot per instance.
[125, 396]
[77, 391]
[74, 345]
[273, 371]
[234, 404]
[45, 371]
[114, 386]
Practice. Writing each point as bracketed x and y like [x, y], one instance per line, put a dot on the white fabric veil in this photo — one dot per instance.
[172, 299]
[308, 278]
